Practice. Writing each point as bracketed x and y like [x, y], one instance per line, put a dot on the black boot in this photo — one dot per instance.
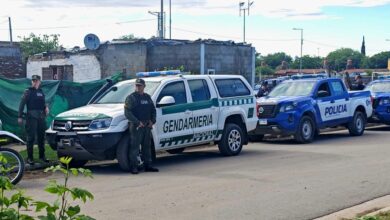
[30, 161]
[134, 170]
[150, 169]
[43, 159]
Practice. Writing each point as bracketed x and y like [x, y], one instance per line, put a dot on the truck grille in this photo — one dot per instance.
[71, 125]
[267, 111]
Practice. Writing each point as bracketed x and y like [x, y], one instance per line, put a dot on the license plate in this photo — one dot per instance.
[263, 122]
[66, 133]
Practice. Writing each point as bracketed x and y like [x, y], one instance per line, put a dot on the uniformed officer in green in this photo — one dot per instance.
[37, 110]
[141, 113]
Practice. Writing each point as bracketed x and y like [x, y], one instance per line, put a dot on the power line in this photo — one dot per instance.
[231, 37]
[78, 26]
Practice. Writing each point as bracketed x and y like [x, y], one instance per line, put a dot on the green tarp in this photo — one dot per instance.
[60, 95]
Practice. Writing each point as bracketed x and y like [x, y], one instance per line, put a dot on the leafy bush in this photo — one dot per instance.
[60, 209]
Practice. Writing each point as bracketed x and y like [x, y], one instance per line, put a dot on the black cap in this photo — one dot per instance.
[265, 83]
[140, 82]
[35, 77]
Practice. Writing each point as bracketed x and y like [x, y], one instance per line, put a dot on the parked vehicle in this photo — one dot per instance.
[303, 107]
[191, 110]
[380, 92]
[13, 162]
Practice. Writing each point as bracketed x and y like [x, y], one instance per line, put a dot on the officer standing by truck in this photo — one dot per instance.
[141, 113]
[37, 110]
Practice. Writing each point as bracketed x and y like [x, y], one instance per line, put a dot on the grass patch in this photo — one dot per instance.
[379, 216]
[49, 153]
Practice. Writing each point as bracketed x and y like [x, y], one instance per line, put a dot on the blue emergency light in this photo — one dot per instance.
[383, 77]
[158, 73]
[308, 76]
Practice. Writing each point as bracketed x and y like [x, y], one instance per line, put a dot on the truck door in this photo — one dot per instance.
[341, 101]
[173, 122]
[205, 109]
[324, 102]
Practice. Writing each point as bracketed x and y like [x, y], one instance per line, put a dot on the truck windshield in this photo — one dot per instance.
[118, 94]
[379, 87]
[294, 88]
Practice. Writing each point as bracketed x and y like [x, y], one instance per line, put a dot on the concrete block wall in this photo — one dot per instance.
[174, 56]
[229, 59]
[11, 64]
[129, 58]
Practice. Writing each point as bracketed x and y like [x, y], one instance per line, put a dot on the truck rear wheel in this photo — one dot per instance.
[122, 153]
[232, 140]
[306, 130]
[358, 124]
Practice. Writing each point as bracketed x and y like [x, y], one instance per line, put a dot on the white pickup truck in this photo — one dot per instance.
[191, 110]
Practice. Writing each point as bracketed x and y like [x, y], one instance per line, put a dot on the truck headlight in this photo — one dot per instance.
[384, 101]
[288, 107]
[99, 124]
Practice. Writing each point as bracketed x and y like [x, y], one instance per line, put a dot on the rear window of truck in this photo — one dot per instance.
[231, 88]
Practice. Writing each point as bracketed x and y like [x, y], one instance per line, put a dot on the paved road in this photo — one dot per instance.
[271, 180]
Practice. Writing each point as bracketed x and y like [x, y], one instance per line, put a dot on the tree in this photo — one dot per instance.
[308, 62]
[128, 37]
[264, 70]
[338, 59]
[34, 44]
[379, 60]
[275, 59]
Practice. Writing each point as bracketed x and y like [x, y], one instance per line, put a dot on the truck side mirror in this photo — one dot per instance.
[322, 93]
[166, 101]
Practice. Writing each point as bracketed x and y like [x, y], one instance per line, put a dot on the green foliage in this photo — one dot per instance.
[308, 62]
[60, 209]
[34, 44]
[264, 70]
[274, 60]
[128, 37]
[338, 59]
[379, 60]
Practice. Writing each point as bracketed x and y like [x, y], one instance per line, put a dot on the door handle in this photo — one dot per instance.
[187, 112]
[332, 101]
[346, 99]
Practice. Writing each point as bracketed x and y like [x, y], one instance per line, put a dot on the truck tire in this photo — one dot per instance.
[74, 163]
[306, 130]
[256, 138]
[232, 140]
[176, 151]
[358, 124]
[122, 153]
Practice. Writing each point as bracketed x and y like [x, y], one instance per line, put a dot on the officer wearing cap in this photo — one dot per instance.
[264, 90]
[37, 110]
[141, 113]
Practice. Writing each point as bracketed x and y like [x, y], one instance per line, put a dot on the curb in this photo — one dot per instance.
[377, 205]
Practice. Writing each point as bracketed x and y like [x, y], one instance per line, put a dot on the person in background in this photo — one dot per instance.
[347, 80]
[37, 111]
[264, 90]
[359, 85]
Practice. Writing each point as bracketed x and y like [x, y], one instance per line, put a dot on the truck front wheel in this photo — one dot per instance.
[122, 153]
[358, 124]
[306, 130]
[232, 140]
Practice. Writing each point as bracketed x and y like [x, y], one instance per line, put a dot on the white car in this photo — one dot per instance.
[191, 110]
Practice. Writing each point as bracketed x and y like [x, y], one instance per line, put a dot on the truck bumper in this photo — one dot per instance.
[282, 124]
[380, 115]
[84, 146]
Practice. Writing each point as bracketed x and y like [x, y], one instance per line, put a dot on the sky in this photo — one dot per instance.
[327, 24]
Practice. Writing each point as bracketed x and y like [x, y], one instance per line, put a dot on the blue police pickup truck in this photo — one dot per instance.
[380, 92]
[303, 107]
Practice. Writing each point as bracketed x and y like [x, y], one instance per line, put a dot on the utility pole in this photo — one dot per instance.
[10, 30]
[170, 19]
[244, 8]
[300, 61]
[158, 22]
[162, 20]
